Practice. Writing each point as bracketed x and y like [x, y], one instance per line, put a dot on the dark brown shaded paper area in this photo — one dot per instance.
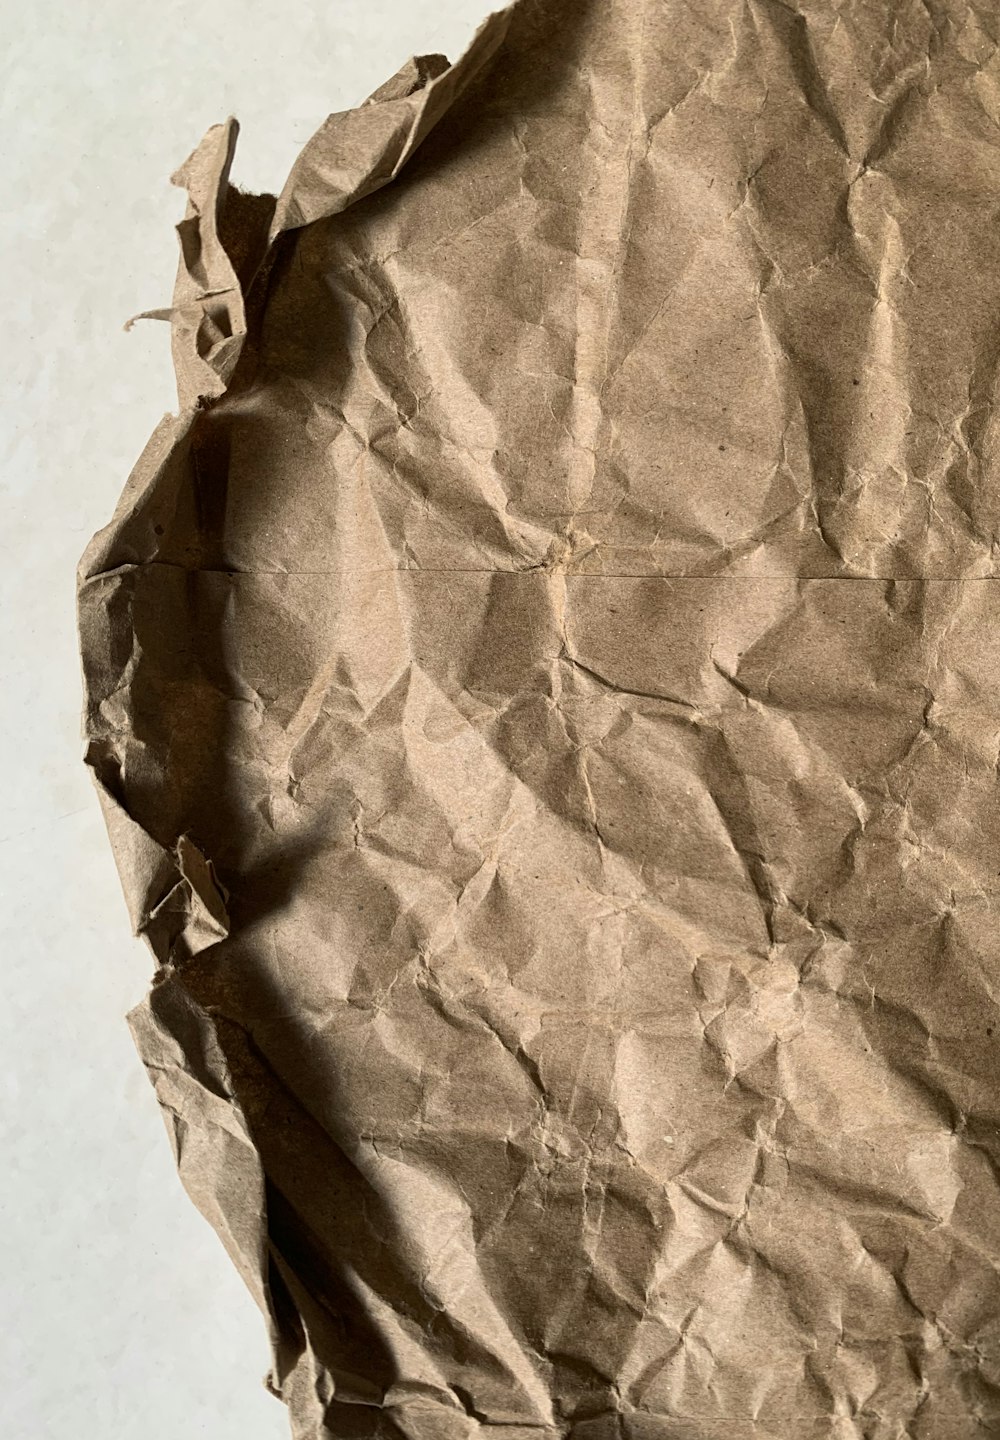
[543, 690]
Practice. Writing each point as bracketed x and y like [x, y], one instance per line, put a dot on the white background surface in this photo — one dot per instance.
[122, 1318]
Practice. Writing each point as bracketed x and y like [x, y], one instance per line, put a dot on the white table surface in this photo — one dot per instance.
[121, 1317]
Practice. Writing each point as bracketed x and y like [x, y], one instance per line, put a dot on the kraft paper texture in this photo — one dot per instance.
[543, 690]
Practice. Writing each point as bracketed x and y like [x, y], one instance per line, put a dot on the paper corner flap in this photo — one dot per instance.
[175, 901]
[356, 152]
[352, 154]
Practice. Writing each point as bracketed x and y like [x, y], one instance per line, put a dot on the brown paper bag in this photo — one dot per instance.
[543, 691]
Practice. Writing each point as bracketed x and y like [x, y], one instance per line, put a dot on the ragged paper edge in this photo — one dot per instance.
[353, 154]
[174, 898]
[179, 1045]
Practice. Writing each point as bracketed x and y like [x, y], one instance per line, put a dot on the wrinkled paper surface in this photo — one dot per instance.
[543, 691]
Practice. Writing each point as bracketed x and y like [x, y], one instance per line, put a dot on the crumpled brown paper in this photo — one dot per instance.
[543, 688]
